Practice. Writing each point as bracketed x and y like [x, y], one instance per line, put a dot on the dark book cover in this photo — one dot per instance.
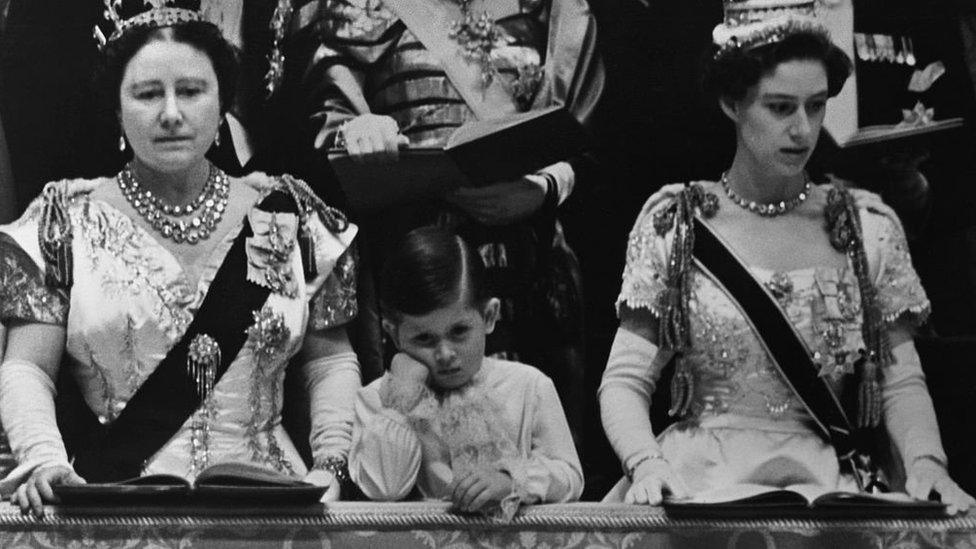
[476, 154]
[750, 501]
[228, 483]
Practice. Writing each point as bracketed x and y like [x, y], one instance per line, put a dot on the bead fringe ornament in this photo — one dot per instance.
[682, 393]
[202, 360]
[122, 143]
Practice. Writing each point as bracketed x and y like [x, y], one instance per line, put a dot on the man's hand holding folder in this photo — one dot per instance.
[494, 155]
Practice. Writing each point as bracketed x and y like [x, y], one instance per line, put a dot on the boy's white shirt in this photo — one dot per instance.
[393, 451]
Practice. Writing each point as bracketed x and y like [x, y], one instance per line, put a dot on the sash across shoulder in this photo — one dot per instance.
[169, 396]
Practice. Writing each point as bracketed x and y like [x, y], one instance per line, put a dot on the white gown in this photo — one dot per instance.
[130, 302]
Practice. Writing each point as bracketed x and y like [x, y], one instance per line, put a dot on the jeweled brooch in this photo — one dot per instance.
[269, 334]
[202, 360]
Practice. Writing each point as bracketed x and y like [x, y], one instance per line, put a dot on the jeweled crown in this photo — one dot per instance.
[753, 23]
[160, 14]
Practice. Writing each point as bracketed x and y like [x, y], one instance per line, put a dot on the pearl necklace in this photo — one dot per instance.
[162, 217]
[767, 210]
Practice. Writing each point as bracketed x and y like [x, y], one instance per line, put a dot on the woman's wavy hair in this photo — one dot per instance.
[729, 76]
[203, 36]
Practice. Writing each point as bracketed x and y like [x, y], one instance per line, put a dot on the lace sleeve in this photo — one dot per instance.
[900, 292]
[645, 273]
[23, 294]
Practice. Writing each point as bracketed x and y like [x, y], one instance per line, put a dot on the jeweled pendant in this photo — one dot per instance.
[202, 360]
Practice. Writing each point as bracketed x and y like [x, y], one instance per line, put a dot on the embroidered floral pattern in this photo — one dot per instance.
[644, 278]
[23, 294]
[267, 338]
[494, 50]
[131, 263]
[900, 293]
[335, 303]
[357, 19]
[727, 369]
[131, 301]
[269, 251]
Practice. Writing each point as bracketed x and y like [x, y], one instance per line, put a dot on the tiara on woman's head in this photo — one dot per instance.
[159, 14]
[753, 23]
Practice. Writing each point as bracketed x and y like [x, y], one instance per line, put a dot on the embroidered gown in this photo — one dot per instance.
[740, 422]
[130, 302]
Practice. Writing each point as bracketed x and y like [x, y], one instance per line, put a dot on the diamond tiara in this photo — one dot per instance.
[158, 16]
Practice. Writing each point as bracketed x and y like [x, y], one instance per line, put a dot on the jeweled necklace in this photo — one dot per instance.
[772, 209]
[163, 217]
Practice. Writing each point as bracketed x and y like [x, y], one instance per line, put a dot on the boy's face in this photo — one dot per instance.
[450, 341]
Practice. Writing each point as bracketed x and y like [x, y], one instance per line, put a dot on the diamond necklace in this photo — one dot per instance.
[213, 198]
[772, 209]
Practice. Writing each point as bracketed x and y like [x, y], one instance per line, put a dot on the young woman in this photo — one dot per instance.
[849, 292]
[173, 295]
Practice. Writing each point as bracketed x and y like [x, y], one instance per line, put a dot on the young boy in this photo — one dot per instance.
[486, 434]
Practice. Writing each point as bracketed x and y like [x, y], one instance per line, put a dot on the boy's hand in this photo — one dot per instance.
[406, 369]
[480, 489]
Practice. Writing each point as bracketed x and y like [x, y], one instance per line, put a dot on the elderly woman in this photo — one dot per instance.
[173, 295]
[848, 297]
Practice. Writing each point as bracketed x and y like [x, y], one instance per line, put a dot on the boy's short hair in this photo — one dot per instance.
[425, 271]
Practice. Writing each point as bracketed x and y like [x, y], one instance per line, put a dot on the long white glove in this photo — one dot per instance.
[625, 401]
[27, 410]
[331, 383]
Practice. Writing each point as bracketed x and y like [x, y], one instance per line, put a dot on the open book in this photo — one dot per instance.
[478, 153]
[753, 500]
[229, 483]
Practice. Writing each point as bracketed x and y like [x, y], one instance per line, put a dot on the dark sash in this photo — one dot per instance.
[784, 345]
[118, 450]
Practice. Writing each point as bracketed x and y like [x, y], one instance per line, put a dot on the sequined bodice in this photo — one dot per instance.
[727, 369]
[730, 369]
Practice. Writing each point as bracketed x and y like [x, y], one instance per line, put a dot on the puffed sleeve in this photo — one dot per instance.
[24, 296]
[551, 473]
[386, 453]
[645, 273]
[334, 304]
[332, 237]
[900, 293]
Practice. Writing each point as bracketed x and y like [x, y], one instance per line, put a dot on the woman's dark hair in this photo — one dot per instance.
[201, 35]
[425, 272]
[732, 74]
